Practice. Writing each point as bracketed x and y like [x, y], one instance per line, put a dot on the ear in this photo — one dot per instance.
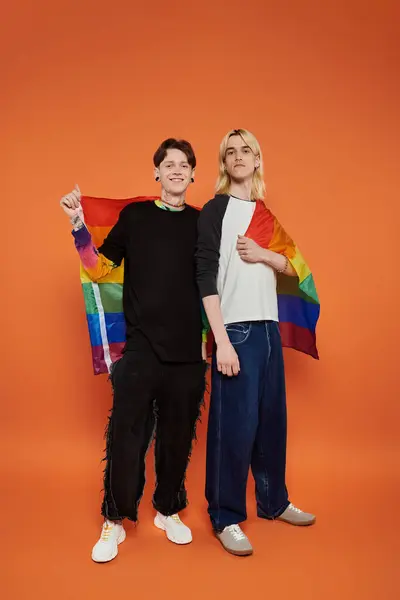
[193, 177]
[257, 162]
[156, 173]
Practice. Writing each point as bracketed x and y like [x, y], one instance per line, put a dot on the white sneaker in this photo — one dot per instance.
[176, 531]
[295, 516]
[235, 541]
[106, 548]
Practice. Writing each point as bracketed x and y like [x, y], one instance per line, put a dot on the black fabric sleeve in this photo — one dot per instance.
[208, 245]
[114, 246]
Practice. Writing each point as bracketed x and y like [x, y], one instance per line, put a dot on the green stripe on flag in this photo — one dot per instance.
[111, 297]
[290, 286]
[110, 294]
[308, 287]
[90, 300]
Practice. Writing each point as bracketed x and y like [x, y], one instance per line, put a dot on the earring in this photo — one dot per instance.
[157, 179]
[192, 180]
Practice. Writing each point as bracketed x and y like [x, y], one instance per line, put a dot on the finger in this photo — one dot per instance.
[229, 371]
[72, 201]
[224, 369]
[65, 201]
[235, 369]
[77, 189]
[76, 199]
[219, 367]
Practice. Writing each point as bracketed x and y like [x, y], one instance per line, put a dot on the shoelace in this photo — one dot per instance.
[236, 532]
[176, 519]
[105, 534]
[294, 508]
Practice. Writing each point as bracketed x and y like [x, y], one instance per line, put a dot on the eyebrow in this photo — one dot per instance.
[234, 148]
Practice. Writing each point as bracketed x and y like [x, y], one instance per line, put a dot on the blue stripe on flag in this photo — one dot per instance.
[293, 309]
[115, 326]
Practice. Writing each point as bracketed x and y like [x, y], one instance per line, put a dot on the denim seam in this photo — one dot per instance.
[244, 340]
[269, 344]
[262, 440]
[219, 450]
[238, 328]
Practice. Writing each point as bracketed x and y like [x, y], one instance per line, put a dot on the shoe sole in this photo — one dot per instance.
[296, 524]
[235, 552]
[121, 539]
[159, 525]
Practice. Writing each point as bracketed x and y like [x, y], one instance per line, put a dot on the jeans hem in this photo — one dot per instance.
[222, 527]
[277, 513]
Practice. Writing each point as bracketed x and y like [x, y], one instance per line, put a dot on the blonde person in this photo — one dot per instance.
[242, 253]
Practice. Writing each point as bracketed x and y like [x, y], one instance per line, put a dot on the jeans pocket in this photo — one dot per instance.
[238, 332]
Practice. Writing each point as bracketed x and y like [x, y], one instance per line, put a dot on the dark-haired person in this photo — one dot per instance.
[159, 382]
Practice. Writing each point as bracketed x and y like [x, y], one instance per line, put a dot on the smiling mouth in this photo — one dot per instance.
[176, 179]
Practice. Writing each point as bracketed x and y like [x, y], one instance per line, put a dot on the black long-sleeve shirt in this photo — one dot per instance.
[161, 299]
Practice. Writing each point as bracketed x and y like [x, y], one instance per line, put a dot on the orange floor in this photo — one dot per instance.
[51, 522]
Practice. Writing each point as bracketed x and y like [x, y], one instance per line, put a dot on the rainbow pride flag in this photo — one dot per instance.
[103, 300]
[298, 304]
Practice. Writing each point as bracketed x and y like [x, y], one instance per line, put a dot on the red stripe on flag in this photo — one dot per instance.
[99, 364]
[298, 338]
[104, 212]
[261, 228]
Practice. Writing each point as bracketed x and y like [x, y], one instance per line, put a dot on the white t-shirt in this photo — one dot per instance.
[247, 291]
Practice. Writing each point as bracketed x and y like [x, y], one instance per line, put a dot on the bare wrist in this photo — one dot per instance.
[266, 257]
[275, 261]
[284, 267]
[223, 340]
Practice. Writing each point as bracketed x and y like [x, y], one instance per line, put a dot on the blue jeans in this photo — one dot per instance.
[247, 427]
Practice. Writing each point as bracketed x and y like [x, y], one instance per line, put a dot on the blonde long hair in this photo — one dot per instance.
[224, 180]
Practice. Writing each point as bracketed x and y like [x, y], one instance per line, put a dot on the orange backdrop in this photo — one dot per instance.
[89, 89]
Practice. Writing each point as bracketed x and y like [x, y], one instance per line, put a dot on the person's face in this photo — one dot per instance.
[174, 172]
[240, 161]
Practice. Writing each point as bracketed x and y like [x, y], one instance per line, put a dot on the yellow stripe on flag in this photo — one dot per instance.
[300, 265]
[116, 276]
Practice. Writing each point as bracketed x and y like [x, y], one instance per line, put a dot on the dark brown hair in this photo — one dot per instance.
[173, 144]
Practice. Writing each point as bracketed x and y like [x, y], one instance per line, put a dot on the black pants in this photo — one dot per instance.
[150, 396]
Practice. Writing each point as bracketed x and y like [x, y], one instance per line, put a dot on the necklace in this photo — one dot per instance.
[173, 205]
